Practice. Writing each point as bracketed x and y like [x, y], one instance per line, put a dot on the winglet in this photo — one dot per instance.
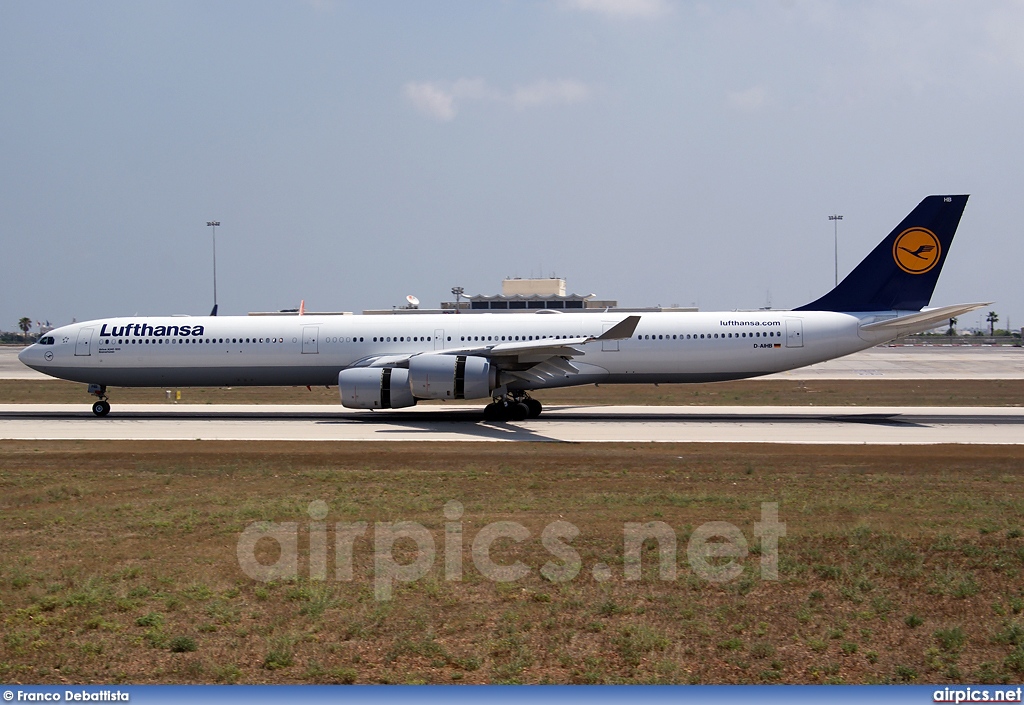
[302, 307]
[621, 330]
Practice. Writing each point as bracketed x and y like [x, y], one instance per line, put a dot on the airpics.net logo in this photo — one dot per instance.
[916, 250]
[715, 551]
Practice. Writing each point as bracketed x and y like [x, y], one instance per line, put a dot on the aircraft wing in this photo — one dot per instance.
[538, 350]
[530, 359]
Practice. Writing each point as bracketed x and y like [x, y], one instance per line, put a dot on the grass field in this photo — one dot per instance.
[859, 392]
[899, 564]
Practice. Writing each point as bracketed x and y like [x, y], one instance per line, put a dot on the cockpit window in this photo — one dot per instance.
[48, 340]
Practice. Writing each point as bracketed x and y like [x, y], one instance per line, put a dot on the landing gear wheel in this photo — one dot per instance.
[512, 409]
[518, 411]
[494, 411]
[101, 408]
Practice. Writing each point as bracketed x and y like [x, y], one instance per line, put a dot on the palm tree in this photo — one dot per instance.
[992, 318]
[25, 323]
[952, 327]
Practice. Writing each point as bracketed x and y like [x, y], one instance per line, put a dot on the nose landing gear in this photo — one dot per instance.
[101, 407]
[512, 407]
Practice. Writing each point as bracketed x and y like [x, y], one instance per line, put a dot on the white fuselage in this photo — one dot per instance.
[312, 349]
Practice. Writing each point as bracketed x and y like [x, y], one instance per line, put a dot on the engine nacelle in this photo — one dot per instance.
[451, 377]
[375, 388]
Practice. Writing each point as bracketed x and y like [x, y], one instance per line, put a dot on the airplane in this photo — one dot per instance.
[392, 362]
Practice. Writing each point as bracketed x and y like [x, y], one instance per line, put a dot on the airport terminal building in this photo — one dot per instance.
[519, 295]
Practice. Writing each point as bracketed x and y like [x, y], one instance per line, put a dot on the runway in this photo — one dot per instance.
[717, 424]
[918, 362]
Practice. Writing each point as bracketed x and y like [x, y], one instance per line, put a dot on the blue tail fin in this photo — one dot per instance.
[900, 274]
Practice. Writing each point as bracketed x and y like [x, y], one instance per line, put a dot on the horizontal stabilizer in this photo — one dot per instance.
[925, 320]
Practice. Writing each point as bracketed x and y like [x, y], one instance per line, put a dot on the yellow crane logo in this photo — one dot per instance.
[916, 250]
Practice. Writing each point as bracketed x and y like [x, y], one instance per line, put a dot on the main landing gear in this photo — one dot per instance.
[517, 407]
[102, 407]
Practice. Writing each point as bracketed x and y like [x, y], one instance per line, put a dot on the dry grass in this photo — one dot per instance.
[860, 392]
[118, 564]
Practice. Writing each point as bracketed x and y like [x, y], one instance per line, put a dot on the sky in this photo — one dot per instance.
[650, 151]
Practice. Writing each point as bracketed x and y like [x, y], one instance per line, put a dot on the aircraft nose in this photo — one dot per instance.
[31, 356]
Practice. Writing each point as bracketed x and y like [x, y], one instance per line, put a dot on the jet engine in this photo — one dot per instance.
[451, 377]
[375, 388]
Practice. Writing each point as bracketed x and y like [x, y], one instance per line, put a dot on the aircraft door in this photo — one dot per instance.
[83, 347]
[794, 333]
[309, 338]
[609, 345]
[439, 339]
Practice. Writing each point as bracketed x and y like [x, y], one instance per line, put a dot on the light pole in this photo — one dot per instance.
[458, 291]
[213, 224]
[835, 236]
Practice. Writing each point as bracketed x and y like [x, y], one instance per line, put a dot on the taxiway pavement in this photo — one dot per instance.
[573, 424]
